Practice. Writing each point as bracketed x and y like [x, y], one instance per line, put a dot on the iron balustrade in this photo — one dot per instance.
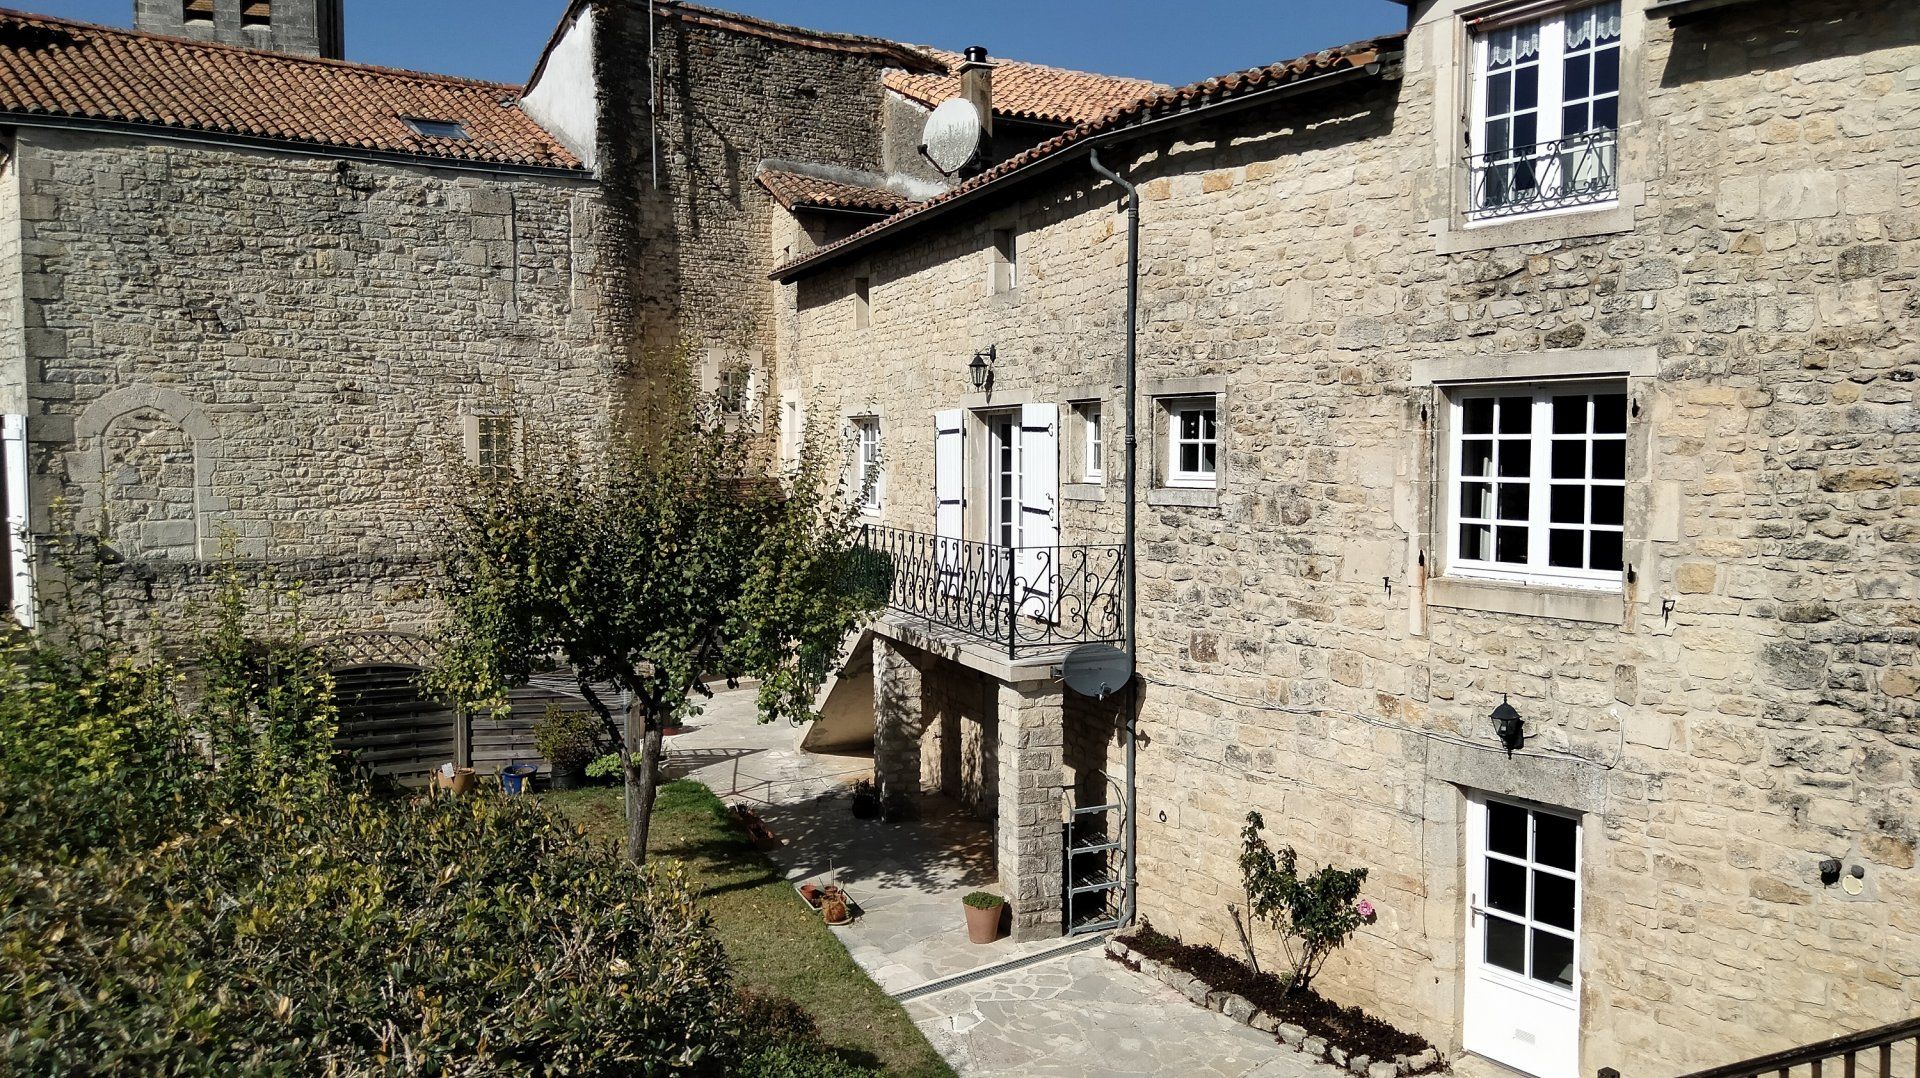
[1891, 1051]
[1575, 171]
[1021, 599]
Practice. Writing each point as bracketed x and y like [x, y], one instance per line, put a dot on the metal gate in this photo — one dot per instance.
[1096, 864]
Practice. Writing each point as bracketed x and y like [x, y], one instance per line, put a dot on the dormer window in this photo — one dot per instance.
[449, 129]
[1546, 112]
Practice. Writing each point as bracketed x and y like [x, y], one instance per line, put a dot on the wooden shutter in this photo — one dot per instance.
[1037, 564]
[19, 545]
[949, 493]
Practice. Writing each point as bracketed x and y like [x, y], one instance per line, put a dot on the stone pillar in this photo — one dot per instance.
[1032, 734]
[899, 718]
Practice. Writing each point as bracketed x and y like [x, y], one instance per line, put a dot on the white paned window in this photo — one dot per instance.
[1546, 112]
[1193, 443]
[866, 455]
[1093, 444]
[493, 446]
[1006, 261]
[1538, 482]
[734, 394]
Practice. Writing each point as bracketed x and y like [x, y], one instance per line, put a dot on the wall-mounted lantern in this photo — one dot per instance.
[1507, 723]
[980, 371]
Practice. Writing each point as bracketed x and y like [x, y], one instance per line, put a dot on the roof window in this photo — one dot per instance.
[452, 129]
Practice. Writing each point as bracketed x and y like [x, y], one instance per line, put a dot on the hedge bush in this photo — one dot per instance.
[197, 890]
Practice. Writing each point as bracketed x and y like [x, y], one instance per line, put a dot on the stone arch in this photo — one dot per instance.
[144, 470]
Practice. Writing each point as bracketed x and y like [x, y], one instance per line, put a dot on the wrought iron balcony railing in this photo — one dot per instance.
[1019, 599]
[1574, 171]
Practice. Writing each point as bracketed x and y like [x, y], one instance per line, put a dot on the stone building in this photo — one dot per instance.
[1559, 357]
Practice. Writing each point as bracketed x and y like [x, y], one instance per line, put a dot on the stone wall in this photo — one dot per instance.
[225, 344]
[1743, 708]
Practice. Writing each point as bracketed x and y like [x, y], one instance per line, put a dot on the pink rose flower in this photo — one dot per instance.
[1364, 908]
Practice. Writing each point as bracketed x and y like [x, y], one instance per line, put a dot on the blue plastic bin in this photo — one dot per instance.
[517, 778]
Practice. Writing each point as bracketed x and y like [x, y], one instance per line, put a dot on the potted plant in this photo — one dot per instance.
[866, 803]
[566, 739]
[833, 906]
[983, 916]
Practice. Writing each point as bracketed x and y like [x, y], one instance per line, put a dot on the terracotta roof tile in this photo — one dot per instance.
[1024, 91]
[796, 190]
[1162, 104]
[57, 68]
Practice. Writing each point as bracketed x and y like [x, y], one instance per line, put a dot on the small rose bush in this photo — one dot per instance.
[1314, 915]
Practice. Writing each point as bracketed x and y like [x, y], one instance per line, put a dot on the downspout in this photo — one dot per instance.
[1129, 543]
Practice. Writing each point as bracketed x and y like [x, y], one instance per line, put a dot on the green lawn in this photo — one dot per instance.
[778, 945]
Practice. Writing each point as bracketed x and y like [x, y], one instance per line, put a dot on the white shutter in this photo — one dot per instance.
[949, 493]
[20, 559]
[1037, 564]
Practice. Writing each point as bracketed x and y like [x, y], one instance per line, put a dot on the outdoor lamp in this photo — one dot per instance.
[980, 371]
[1507, 723]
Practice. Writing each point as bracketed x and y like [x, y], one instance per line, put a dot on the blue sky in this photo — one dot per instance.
[1173, 42]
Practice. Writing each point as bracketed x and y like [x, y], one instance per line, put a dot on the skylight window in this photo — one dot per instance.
[437, 128]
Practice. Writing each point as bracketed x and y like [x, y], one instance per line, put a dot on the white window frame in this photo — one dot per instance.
[1092, 419]
[1538, 480]
[868, 461]
[1175, 475]
[1006, 260]
[1549, 102]
[730, 404]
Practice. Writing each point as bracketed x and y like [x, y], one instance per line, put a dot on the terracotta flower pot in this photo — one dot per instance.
[833, 906]
[983, 925]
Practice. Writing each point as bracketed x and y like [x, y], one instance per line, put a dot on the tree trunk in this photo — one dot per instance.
[642, 764]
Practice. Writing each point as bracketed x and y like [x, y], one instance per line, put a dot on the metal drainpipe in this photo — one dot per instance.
[1132, 573]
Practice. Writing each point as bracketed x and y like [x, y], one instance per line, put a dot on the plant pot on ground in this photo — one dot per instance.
[566, 739]
[834, 907]
[983, 916]
[866, 802]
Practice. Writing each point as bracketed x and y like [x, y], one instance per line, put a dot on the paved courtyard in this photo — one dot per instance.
[1066, 1014]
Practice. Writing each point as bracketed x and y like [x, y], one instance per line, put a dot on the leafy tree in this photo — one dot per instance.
[651, 567]
[1314, 915]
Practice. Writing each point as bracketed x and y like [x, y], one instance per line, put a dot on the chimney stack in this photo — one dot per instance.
[976, 85]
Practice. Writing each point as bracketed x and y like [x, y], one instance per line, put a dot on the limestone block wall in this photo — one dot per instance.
[228, 344]
[959, 755]
[1743, 710]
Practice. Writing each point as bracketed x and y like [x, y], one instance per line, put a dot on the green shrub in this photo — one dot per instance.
[984, 900]
[1314, 915]
[187, 886]
[566, 738]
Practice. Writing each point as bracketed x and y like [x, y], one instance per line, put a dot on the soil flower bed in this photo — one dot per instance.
[1348, 1034]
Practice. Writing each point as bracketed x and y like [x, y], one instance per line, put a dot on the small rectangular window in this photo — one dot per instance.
[1006, 261]
[734, 392]
[866, 434]
[1546, 112]
[1092, 442]
[862, 302]
[449, 129]
[1538, 482]
[196, 11]
[1193, 443]
[256, 13]
[492, 447]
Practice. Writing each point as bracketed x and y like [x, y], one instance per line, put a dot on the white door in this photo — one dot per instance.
[1003, 503]
[1523, 924]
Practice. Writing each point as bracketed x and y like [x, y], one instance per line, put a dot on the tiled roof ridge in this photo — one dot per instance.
[263, 55]
[793, 189]
[952, 59]
[1218, 88]
[787, 32]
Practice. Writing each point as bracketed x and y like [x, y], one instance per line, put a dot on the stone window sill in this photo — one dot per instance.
[1607, 607]
[1199, 497]
[1456, 237]
[1083, 492]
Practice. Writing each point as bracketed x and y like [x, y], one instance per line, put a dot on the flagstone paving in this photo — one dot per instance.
[1064, 1015]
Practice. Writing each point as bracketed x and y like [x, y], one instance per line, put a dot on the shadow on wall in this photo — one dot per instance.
[1738, 41]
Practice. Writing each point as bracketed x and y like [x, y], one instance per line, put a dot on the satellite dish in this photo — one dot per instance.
[1096, 670]
[952, 135]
